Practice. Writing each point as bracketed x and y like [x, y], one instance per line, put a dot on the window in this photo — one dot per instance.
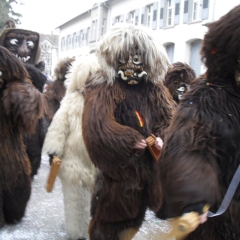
[170, 51]
[104, 21]
[170, 12]
[81, 37]
[196, 10]
[68, 42]
[94, 30]
[87, 36]
[117, 19]
[149, 15]
[132, 17]
[195, 58]
[75, 40]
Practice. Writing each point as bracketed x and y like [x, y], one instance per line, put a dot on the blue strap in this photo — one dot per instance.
[229, 195]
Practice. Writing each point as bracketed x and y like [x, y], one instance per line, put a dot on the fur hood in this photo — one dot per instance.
[79, 72]
[123, 39]
[62, 68]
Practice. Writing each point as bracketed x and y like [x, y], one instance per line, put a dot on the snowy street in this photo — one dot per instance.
[44, 218]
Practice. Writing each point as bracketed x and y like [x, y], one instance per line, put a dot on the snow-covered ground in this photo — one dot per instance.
[44, 218]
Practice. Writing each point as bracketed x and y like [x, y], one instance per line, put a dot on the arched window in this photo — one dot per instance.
[170, 51]
[81, 38]
[75, 40]
[195, 57]
[88, 35]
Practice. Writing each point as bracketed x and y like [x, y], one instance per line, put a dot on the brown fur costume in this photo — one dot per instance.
[21, 106]
[24, 45]
[178, 79]
[56, 90]
[202, 149]
[128, 181]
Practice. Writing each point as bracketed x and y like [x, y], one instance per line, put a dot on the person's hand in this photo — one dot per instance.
[159, 143]
[140, 145]
[203, 217]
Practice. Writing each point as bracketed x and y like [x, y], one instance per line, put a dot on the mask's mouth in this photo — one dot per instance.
[24, 59]
[131, 77]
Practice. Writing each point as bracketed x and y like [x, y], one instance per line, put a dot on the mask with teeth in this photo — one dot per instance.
[22, 43]
[131, 70]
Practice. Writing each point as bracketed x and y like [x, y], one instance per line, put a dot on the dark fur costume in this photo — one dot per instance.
[21, 106]
[128, 181]
[56, 90]
[202, 149]
[179, 75]
[24, 44]
[34, 142]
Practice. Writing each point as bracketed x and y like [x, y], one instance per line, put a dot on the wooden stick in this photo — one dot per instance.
[55, 166]
[151, 146]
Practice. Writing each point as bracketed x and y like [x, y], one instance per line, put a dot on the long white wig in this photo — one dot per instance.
[122, 40]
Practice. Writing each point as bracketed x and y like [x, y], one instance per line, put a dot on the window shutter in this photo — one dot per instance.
[155, 8]
[85, 37]
[185, 12]
[143, 16]
[161, 14]
[177, 12]
[137, 17]
[205, 9]
[127, 17]
[122, 18]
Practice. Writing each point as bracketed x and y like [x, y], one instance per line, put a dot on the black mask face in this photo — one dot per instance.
[183, 87]
[23, 44]
[131, 71]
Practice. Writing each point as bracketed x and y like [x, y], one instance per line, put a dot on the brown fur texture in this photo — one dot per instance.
[202, 149]
[179, 75]
[34, 142]
[129, 181]
[56, 90]
[21, 106]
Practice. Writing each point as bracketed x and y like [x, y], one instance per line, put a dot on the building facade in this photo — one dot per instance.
[49, 52]
[179, 25]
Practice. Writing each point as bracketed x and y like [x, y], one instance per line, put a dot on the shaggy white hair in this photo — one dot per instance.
[122, 40]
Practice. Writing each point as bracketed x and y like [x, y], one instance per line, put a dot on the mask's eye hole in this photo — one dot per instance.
[30, 43]
[137, 59]
[122, 61]
[14, 41]
[181, 89]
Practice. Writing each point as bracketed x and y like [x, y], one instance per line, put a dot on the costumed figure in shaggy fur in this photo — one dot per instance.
[56, 90]
[178, 79]
[24, 44]
[64, 139]
[21, 106]
[201, 152]
[34, 142]
[125, 102]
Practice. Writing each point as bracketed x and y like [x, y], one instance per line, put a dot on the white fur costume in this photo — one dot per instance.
[64, 139]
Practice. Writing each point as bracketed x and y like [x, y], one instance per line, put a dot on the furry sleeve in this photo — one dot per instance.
[58, 131]
[163, 107]
[187, 165]
[25, 104]
[109, 144]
